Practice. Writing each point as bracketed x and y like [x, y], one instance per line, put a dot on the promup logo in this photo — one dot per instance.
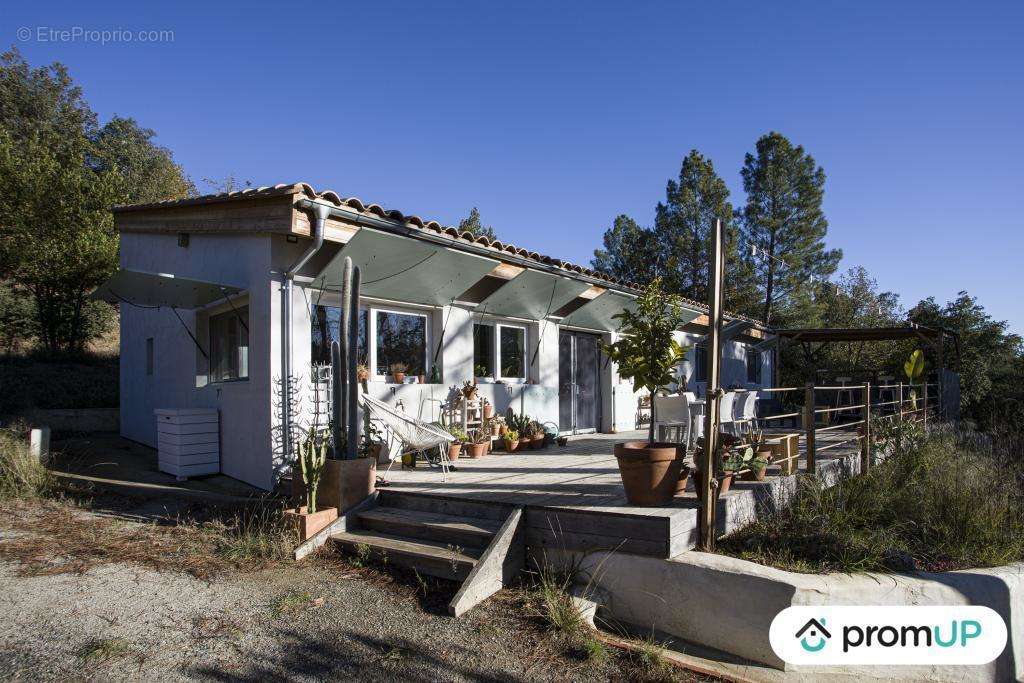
[816, 632]
[861, 636]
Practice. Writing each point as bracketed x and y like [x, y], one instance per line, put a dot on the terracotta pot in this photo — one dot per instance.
[524, 444]
[724, 482]
[453, 450]
[375, 450]
[343, 483]
[469, 393]
[511, 446]
[476, 450]
[755, 474]
[684, 477]
[650, 471]
[307, 524]
[537, 442]
[362, 375]
[421, 379]
[398, 377]
[488, 411]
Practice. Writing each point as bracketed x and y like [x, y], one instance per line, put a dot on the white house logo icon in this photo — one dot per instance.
[815, 632]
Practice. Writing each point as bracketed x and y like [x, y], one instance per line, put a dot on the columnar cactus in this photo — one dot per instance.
[311, 458]
[345, 384]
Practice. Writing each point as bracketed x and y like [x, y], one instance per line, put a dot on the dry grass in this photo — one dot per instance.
[57, 537]
[22, 477]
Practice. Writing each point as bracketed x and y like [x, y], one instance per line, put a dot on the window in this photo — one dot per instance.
[754, 362]
[229, 346]
[401, 338]
[700, 363]
[326, 328]
[499, 351]
[483, 350]
[149, 355]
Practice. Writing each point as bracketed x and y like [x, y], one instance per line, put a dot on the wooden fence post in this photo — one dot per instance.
[809, 426]
[865, 444]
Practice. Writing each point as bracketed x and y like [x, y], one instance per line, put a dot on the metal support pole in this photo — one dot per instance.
[865, 444]
[901, 401]
[710, 464]
[809, 426]
[924, 402]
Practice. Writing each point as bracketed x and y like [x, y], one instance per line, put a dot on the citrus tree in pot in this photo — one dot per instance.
[647, 354]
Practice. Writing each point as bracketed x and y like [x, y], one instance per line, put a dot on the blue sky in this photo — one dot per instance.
[553, 118]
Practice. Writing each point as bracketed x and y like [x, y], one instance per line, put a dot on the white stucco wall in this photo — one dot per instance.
[239, 260]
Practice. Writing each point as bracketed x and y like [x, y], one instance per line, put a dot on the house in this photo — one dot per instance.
[227, 302]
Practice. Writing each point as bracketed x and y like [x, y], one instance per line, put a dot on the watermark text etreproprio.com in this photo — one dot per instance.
[100, 36]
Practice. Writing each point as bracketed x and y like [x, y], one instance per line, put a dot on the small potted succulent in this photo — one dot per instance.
[455, 447]
[362, 373]
[488, 409]
[536, 432]
[398, 372]
[511, 438]
[684, 477]
[726, 444]
[469, 390]
[476, 446]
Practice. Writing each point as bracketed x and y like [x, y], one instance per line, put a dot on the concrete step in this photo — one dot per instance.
[460, 531]
[458, 507]
[436, 558]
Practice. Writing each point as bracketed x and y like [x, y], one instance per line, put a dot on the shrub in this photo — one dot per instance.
[949, 501]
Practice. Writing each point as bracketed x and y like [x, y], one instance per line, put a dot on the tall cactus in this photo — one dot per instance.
[345, 387]
[312, 456]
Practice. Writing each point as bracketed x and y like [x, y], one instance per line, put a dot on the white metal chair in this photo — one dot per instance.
[415, 435]
[673, 413]
[725, 412]
[746, 411]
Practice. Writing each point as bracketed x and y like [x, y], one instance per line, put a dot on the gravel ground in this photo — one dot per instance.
[323, 620]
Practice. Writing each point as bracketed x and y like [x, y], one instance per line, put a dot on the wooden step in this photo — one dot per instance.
[466, 532]
[459, 507]
[427, 557]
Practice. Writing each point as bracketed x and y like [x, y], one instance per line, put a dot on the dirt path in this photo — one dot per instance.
[323, 620]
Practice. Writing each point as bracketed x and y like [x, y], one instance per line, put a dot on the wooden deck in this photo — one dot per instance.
[573, 495]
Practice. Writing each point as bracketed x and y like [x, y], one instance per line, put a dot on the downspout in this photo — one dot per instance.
[322, 212]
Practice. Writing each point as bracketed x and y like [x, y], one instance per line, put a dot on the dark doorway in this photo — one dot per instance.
[579, 382]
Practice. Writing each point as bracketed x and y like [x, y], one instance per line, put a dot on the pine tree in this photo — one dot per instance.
[784, 220]
[629, 253]
[471, 223]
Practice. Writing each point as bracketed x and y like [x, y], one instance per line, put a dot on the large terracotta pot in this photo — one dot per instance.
[537, 442]
[650, 471]
[476, 450]
[343, 483]
[524, 444]
[307, 524]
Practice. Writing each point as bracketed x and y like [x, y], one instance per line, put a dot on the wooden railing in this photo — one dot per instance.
[899, 401]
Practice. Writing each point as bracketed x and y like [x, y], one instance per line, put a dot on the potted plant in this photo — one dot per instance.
[684, 477]
[455, 448]
[308, 518]
[362, 373]
[511, 438]
[648, 354]
[476, 447]
[481, 374]
[488, 409]
[398, 372]
[469, 390]
[535, 432]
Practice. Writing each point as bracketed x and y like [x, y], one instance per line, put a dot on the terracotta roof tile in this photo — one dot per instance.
[411, 220]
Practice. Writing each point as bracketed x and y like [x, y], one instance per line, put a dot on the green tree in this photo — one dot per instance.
[148, 171]
[784, 220]
[471, 223]
[630, 252]
[60, 173]
[990, 355]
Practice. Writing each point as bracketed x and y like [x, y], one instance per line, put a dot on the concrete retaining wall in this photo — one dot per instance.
[728, 604]
[75, 419]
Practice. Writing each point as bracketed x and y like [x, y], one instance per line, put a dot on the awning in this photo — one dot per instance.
[532, 295]
[402, 269]
[139, 288]
[597, 315]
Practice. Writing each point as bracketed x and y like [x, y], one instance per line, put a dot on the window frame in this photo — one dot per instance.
[234, 312]
[758, 365]
[700, 350]
[498, 324]
[371, 337]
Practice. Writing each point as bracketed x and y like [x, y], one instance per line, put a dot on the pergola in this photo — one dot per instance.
[934, 337]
